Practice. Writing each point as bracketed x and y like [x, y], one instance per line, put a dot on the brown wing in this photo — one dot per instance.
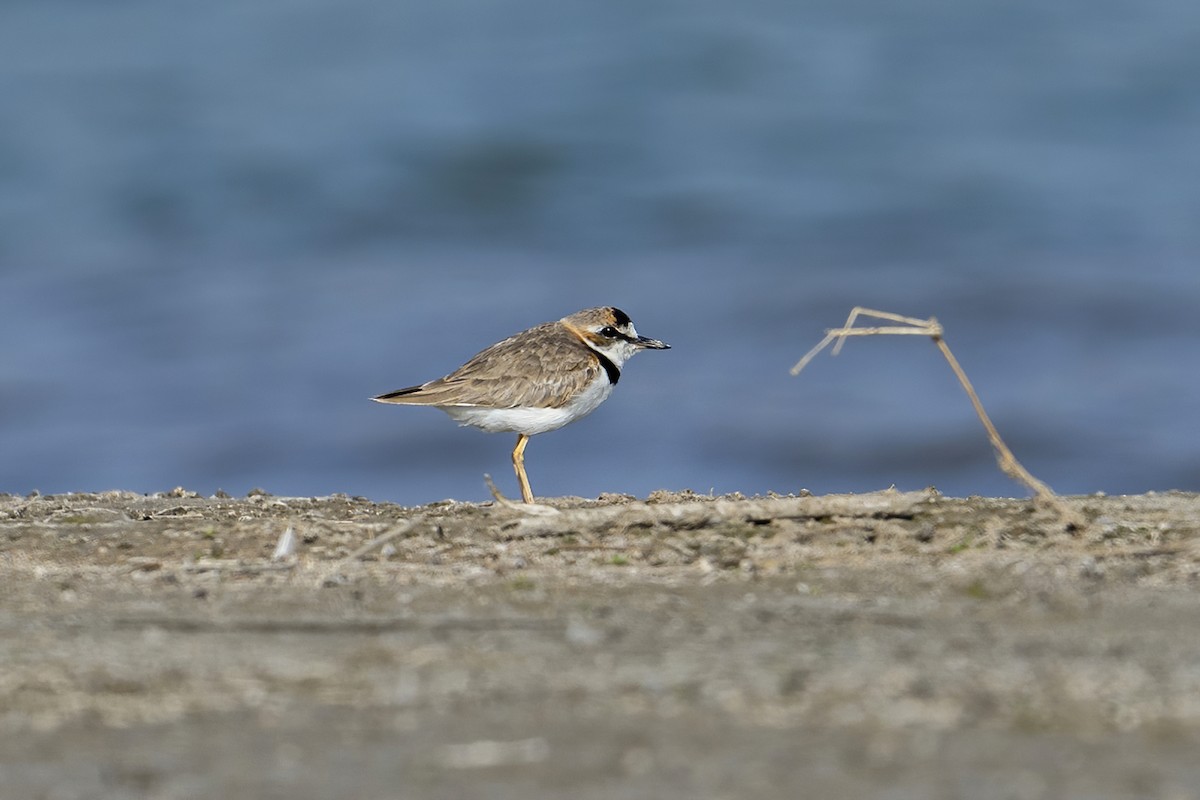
[543, 366]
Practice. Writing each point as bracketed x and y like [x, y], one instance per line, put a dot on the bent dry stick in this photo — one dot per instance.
[911, 326]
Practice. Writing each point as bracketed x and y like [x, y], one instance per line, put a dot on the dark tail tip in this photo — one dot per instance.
[383, 398]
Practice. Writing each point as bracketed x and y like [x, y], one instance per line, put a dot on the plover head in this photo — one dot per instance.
[610, 332]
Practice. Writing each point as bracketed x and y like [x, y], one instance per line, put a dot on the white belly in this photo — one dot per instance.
[529, 420]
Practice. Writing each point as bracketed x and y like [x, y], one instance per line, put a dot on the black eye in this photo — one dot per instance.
[610, 332]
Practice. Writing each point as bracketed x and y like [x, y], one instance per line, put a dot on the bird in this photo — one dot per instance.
[536, 381]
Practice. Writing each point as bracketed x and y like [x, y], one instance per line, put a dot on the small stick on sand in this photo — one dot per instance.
[383, 539]
[532, 509]
[910, 326]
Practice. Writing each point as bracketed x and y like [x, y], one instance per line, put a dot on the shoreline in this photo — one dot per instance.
[666, 647]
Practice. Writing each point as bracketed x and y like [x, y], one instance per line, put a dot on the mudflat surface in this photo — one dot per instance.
[870, 646]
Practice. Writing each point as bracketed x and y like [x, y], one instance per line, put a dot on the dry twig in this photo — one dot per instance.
[702, 514]
[401, 530]
[910, 326]
[529, 508]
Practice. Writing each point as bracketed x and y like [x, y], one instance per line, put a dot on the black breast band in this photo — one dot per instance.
[614, 374]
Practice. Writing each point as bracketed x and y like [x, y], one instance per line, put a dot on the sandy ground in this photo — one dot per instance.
[870, 646]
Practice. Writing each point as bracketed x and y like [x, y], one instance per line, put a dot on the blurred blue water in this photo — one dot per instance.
[224, 226]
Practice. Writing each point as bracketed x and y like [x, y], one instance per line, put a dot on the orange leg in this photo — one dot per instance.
[518, 458]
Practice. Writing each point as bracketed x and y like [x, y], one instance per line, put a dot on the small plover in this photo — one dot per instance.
[536, 381]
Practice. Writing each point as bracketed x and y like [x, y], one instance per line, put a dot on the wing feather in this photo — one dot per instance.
[543, 366]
